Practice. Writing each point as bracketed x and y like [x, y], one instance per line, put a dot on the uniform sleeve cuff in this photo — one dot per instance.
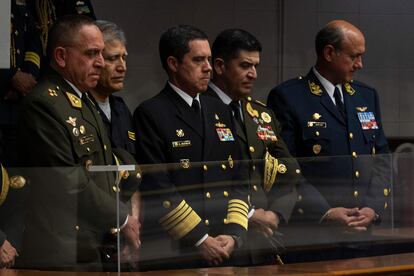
[251, 213]
[200, 241]
[324, 216]
[125, 223]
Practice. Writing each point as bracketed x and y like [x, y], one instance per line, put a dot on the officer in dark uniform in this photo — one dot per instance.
[113, 110]
[46, 12]
[61, 136]
[337, 122]
[19, 80]
[198, 199]
[273, 172]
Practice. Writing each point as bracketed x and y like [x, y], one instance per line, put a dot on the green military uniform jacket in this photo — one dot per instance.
[259, 134]
[70, 208]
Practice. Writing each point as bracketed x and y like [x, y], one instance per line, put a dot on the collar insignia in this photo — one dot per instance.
[315, 89]
[351, 91]
[74, 100]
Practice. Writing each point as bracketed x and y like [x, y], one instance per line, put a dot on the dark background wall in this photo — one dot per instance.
[286, 29]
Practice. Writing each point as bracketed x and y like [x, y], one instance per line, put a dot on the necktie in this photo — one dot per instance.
[235, 106]
[196, 106]
[338, 101]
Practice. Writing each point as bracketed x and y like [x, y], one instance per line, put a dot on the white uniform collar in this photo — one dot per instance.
[75, 88]
[223, 96]
[187, 98]
[329, 87]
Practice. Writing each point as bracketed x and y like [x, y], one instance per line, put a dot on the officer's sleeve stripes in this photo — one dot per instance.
[131, 135]
[237, 212]
[32, 57]
[180, 221]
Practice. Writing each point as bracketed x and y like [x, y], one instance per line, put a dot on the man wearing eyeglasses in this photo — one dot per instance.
[336, 121]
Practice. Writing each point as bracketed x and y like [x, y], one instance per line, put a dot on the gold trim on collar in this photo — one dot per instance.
[349, 89]
[315, 89]
[74, 100]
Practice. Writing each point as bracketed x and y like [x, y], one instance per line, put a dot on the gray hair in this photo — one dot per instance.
[329, 35]
[111, 31]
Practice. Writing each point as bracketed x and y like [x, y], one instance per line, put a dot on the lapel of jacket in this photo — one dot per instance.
[210, 129]
[248, 124]
[68, 90]
[184, 112]
[239, 129]
[97, 118]
[349, 104]
[325, 100]
[251, 131]
[90, 115]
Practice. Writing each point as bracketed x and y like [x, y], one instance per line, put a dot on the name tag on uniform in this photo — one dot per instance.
[367, 120]
[181, 144]
[86, 139]
[317, 124]
[224, 134]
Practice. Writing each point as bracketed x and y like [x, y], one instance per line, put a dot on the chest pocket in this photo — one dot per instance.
[316, 141]
[369, 135]
[85, 143]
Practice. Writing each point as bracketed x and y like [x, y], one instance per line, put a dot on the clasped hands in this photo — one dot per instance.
[131, 231]
[8, 255]
[217, 249]
[355, 219]
[265, 222]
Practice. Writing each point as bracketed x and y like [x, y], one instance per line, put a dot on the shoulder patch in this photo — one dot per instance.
[52, 92]
[74, 100]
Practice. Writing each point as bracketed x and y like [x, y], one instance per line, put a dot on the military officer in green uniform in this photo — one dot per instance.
[273, 172]
[61, 136]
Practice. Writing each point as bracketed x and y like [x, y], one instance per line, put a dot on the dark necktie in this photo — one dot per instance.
[235, 106]
[338, 101]
[196, 106]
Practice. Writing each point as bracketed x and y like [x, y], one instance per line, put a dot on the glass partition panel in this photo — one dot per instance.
[295, 210]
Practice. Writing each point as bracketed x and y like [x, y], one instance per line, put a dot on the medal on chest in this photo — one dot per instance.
[265, 133]
[223, 132]
[367, 120]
